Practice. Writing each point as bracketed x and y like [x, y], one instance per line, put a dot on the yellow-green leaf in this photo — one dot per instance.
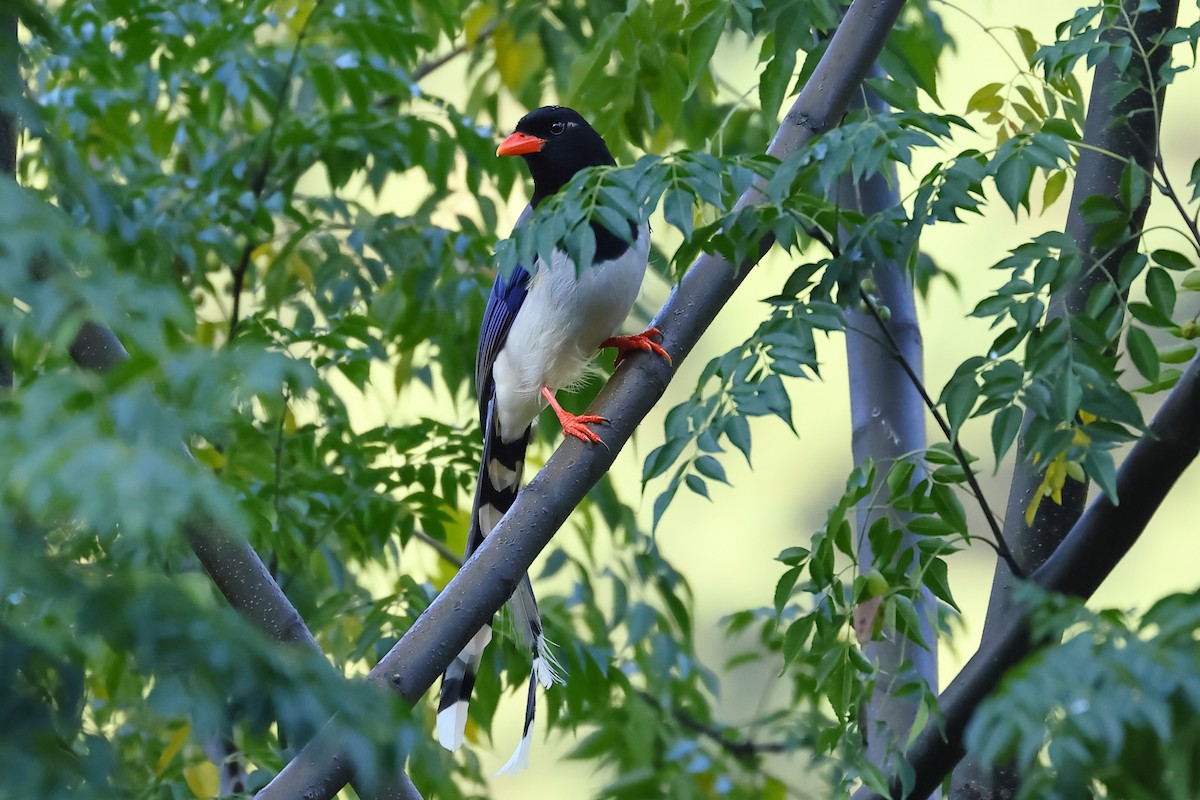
[1032, 99]
[202, 779]
[475, 21]
[209, 456]
[986, 98]
[773, 789]
[1054, 189]
[299, 269]
[1177, 355]
[174, 743]
[517, 60]
[1027, 43]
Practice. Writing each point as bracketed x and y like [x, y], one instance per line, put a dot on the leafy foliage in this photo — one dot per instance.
[216, 184]
[1113, 708]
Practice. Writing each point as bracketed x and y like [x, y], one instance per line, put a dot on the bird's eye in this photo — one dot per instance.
[558, 127]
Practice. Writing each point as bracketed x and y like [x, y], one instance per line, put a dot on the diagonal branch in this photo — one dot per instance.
[232, 563]
[1001, 547]
[744, 750]
[491, 575]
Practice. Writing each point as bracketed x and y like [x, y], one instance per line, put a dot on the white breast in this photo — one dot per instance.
[560, 327]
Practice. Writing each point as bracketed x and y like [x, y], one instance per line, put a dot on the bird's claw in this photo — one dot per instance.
[641, 341]
[577, 425]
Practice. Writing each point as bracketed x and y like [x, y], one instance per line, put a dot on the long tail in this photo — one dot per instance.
[546, 669]
[496, 491]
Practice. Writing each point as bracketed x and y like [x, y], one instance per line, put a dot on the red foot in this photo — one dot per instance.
[642, 341]
[574, 424]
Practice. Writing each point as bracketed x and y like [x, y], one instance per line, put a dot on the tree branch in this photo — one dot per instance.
[1093, 547]
[232, 563]
[426, 67]
[259, 183]
[491, 575]
[898, 353]
[745, 750]
[1127, 129]
[888, 420]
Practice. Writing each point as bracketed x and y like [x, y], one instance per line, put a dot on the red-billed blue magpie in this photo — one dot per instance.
[540, 332]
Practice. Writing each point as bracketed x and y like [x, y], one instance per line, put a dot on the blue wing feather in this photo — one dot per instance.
[507, 296]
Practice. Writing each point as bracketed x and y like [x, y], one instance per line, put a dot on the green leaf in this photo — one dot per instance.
[697, 485]
[1160, 290]
[738, 431]
[1054, 188]
[937, 578]
[783, 589]
[662, 458]
[1005, 427]
[949, 508]
[1012, 181]
[986, 98]
[1099, 466]
[701, 45]
[1143, 353]
[678, 210]
[959, 398]
[709, 467]
[1171, 260]
[1149, 315]
[775, 77]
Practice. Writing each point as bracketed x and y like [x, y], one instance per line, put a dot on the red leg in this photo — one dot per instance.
[574, 424]
[642, 341]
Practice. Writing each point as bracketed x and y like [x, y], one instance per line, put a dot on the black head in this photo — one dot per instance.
[556, 143]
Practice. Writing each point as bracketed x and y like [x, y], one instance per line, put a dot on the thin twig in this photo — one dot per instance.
[742, 749]
[445, 552]
[1000, 546]
[260, 178]
[423, 70]
[1168, 190]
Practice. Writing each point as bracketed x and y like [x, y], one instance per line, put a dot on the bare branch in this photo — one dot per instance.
[489, 577]
[10, 93]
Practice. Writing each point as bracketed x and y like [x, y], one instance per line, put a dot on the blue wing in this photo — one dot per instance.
[508, 294]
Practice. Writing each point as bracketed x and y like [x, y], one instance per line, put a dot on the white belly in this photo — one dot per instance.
[559, 329]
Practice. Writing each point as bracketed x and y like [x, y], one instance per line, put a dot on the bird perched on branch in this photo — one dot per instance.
[540, 332]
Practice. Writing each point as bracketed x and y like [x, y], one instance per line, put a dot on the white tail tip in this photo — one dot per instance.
[520, 758]
[546, 666]
[452, 725]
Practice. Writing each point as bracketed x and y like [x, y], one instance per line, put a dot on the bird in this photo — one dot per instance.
[541, 329]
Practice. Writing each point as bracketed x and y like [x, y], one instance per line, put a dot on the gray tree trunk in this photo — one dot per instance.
[888, 419]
